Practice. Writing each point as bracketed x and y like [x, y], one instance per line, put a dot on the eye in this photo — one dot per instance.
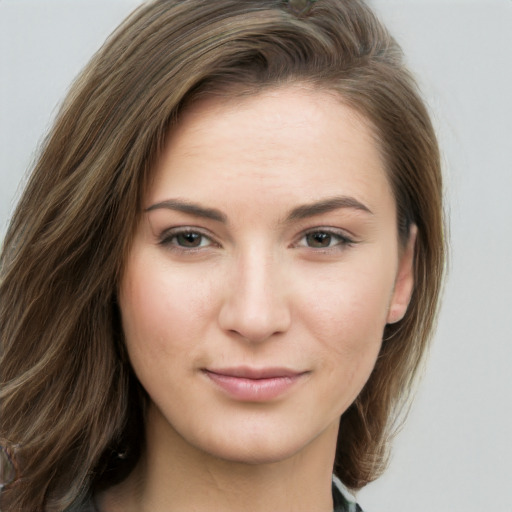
[185, 239]
[324, 239]
[190, 240]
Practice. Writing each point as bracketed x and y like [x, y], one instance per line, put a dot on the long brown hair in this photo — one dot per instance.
[71, 408]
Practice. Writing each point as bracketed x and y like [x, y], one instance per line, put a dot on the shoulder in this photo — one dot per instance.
[343, 499]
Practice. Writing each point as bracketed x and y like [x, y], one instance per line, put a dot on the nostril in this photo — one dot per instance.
[255, 323]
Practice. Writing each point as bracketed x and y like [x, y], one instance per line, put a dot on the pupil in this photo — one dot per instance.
[319, 239]
[189, 239]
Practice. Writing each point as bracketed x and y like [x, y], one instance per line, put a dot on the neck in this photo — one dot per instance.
[175, 476]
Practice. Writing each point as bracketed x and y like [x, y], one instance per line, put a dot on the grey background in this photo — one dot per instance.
[455, 451]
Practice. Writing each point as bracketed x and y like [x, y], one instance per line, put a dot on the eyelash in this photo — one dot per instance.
[168, 239]
[341, 239]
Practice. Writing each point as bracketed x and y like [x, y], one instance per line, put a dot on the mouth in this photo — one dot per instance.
[254, 384]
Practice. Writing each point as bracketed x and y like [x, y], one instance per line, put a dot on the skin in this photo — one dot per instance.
[272, 283]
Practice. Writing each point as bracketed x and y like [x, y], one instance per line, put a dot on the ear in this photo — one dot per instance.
[404, 282]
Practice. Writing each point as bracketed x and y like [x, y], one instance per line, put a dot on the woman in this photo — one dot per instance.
[219, 284]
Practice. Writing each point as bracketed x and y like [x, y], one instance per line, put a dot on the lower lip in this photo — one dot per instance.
[254, 390]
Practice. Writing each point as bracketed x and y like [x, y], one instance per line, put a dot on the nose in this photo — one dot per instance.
[255, 305]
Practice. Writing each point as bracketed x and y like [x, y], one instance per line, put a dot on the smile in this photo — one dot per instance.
[254, 385]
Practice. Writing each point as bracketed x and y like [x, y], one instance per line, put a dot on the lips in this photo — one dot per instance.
[254, 384]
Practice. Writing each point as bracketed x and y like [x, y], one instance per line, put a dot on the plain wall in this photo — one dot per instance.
[454, 453]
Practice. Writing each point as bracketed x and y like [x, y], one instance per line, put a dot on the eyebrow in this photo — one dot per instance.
[325, 206]
[190, 208]
[299, 213]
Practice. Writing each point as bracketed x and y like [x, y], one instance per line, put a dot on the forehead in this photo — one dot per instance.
[289, 114]
[292, 143]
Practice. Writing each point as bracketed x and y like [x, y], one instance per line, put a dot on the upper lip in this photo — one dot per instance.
[245, 372]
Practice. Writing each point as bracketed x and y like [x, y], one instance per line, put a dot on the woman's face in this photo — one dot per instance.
[263, 272]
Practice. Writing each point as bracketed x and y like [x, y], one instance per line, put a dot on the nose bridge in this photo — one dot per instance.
[256, 305]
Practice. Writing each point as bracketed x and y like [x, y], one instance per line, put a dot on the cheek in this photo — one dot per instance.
[161, 309]
[349, 305]
[347, 315]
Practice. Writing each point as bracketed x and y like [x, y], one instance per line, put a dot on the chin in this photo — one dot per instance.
[262, 446]
[253, 454]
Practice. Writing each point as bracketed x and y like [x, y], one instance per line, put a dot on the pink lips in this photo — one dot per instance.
[254, 385]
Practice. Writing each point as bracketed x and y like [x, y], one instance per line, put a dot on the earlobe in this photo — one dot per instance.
[404, 283]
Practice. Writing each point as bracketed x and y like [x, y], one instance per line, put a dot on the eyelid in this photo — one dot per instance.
[166, 236]
[345, 239]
